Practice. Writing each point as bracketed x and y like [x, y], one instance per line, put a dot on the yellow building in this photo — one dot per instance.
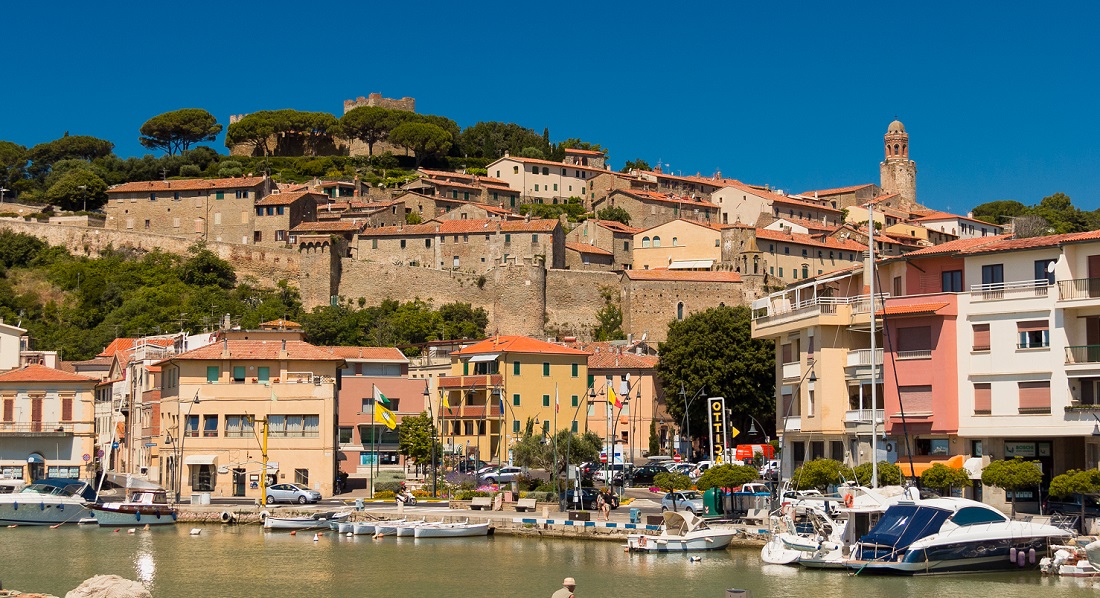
[216, 400]
[497, 384]
[679, 244]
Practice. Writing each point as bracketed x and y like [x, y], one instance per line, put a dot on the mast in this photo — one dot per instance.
[874, 366]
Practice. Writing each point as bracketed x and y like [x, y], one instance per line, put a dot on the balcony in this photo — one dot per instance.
[792, 370]
[921, 354]
[1078, 289]
[471, 382]
[793, 423]
[862, 416]
[1083, 354]
[35, 429]
[862, 358]
[1021, 289]
[778, 309]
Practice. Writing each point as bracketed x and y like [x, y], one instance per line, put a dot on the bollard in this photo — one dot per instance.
[400, 507]
[546, 512]
[735, 593]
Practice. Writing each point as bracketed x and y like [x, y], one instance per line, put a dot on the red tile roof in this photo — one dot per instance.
[666, 198]
[586, 248]
[250, 349]
[435, 174]
[126, 344]
[329, 227]
[804, 239]
[187, 185]
[442, 183]
[368, 353]
[606, 356]
[467, 226]
[577, 150]
[616, 226]
[808, 223]
[950, 216]
[908, 310]
[836, 191]
[280, 324]
[683, 275]
[285, 199]
[516, 344]
[41, 373]
[1006, 243]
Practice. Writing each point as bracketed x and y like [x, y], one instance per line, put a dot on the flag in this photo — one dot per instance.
[378, 396]
[384, 416]
[447, 403]
[557, 406]
[614, 398]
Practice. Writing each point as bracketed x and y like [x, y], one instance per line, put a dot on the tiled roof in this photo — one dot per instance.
[327, 227]
[586, 248]
[698, 180]
[1091, 235]
[187, 184]
[435, 174]
[467, 226]
[950, 247]
[606, 356]
[836, 191]
[126, 344]
[280, 324]
[713, 227]
[949, 216]
[804, 239]
[1006, 243]
[442, 183]
[808, 223]
[918, 308]
[41, 373]
[881, 198]
[268, 350]
[552, 163]
[666, 198]
[516, 344]
[683, 275]
[577, 150]
[368, 353]
[616, 226]
[285, 199]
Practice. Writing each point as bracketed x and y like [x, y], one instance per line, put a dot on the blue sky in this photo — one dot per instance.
[999, 99]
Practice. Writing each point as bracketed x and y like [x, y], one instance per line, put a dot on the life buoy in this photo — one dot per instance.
[849, 500]
[263, 515]
[785, 509]
[642, 541]
[226, 517]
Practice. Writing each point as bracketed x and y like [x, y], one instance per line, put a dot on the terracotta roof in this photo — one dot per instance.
[187, 184]
[881, 198]
[837, 190]
[280, 323]
[577, 150]
[551, 163]
[467, 226]
[606, 356]
[368, 353]
[586, 248]
[918, 308]
[713, 227]
[807, 223]
[1006, 243]
[699, 180]
[268, 350]
[442, 183]
[1085, 236]
[462, 175]
[683, 275]
[950, 247]
[616, 226]
[98, 360]
[127, 344]
[666, 198]
[950, 216]
[516, 344]
[804, 239]
[326, 227]
[41, 373]
[285, 199]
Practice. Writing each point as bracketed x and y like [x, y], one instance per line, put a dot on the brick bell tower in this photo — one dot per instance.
[897, 173]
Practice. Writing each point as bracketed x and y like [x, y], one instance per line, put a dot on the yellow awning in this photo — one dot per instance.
[919, 467]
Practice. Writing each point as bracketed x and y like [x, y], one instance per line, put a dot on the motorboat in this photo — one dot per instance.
[363, 528]
[144, 507]
[47, 502]
[950, 535]
[451, 530]
[1069, 561]
[683, 532]
[315, 521]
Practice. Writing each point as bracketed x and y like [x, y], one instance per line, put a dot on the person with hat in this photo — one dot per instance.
[567, 591]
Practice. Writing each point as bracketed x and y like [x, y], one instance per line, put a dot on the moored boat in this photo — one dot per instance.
[451, 530]
[146, 507]
[47, 502]
[683, 532]
[315, 521]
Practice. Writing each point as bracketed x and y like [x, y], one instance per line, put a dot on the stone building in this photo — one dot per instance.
[648, 209]
[375, 99]
[746, 204]
[845, 197]
[610, 236]
[651, 299]
[208, 209]
[467, 187]
[603, 183]
[579, 256]
[583, 157]
[543, 181]
[465, 245]
[340, 228]
[278, 213]
[789, 257]
[898, 173]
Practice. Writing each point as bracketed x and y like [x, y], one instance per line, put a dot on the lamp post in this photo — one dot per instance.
[687, 417]
[2, 192]
[431, 415]
[84, 195]
[177, 443]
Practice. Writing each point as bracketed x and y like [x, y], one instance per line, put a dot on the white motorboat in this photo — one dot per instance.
[315, 521]
[363, 528]
[145, 507]
[683, 532]
[48, 502]
[951, 535]
[387, 527]
[451, 530]
[1068, 561]
[345, 527]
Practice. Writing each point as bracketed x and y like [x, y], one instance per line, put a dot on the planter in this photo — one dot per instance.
[580, 515]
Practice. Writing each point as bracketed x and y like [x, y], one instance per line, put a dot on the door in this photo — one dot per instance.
[1094, 276]
[238, 482]
[1092, 339]
[37, 470]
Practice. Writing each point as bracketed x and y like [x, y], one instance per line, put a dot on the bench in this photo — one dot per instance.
[525, 504]
[481, 502]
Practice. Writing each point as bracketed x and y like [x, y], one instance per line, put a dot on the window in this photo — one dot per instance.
[916, 399]
[981, 337]
[573, 427]
[914, 342]
[428, 242]
[983, 399]
[219, 195]
[555, 186]
[993, 274]
[1034, 397]
[534, 238]
[546, 426]
[280, 210]
[301, 476]
[656, 241]
[69, 473]
[951, 281]
[210, 426]
[1033, 335]
[402, 243]
[515, 368]
[545, 368]
[626, 245]
[803, 253]
[574, 400]
[213, 372]
[1044, 270]
[786, 251]
[675, 240]
[66, 409]
[545, 400]
[238, 373]
[680, 310]
[515, 400]
[238, 426]
[781, 272]
[575, 369]
[805, 271]
[147, 224]
[507, 237]
[545, 170]
[645, 242]
[515, 426]
[191, 426]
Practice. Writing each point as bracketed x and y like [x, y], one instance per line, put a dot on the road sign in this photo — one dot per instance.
[87, 457]
[99, 453]
[676, 458]
[114, 446]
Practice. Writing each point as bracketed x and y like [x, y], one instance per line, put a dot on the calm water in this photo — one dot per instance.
[245, 561]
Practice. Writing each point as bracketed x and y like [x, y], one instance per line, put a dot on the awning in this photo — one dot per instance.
[35, 458]
[200, 460]
[484, 357]
[691, 265]
[273, 466]
[920, 467]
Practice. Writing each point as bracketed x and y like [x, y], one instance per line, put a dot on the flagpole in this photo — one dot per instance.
[557, 478]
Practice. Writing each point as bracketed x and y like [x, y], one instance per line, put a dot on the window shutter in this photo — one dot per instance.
[983, 399]
[1032, 326]
[918, 338]
[66, 409]
[916, 399]
[1035, 397]
[981, 337]
[9, 410]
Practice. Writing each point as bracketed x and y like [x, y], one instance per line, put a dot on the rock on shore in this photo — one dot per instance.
[109, 586]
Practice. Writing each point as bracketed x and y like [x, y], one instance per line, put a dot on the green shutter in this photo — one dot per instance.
[212, 373]
[576, 370]
[574, 426]
[515, 400]
[238, 372]
[264, 374]
[515, 368]
[545, 400]
[574, 400]
[545, 369]
[219, 195]
[515, 426]
[465, 368]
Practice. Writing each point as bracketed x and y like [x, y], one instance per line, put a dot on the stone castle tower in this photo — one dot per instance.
[897, 173]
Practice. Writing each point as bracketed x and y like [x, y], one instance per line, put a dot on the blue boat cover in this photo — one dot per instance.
[901, 525]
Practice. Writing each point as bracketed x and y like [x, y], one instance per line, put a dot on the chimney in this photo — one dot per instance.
[226, 322]
[225, 347]
[282, 352]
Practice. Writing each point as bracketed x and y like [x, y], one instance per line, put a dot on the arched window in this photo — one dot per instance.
[645, 241]
[755, 265]
[656, 241]
[675, 241]
[905, 149]
[680, 310]
[896, 149]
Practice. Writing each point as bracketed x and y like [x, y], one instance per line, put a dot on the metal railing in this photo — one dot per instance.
[921, 354]
[1009, 290]
[37, 427]
[862, 357]
[1079, 288]
[863, 415]
[1083, 354]
[783, 309]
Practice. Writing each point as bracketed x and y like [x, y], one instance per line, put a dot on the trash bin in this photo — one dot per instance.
[358, 504]
[635, 515]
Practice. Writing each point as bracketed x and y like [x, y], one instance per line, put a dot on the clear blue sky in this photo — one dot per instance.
[999, 99]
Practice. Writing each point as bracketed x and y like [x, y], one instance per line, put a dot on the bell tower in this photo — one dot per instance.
[897, 173]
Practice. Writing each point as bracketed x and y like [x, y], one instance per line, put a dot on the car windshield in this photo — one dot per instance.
[691, 495]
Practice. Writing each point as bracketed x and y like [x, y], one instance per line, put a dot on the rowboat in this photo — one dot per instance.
[451, 530]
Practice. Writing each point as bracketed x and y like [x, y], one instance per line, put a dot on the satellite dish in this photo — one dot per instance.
[1050, 267]
[223, 470]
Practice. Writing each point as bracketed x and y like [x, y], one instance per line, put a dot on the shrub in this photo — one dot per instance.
[421, 493]
[391, 487]
[190, 170]
[545, 487]
[541, 496]
[671, 481]
[386, 494]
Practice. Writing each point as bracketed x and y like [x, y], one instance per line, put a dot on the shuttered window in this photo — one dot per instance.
[66, 409]
[983, 399]
[916, 399]
[918, 338]
[787, 353]
[1035, 397]
[36, 414]
[981, 337]
[9, 410]
[1033, 334]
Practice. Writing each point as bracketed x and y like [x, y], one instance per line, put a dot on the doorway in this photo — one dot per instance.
[238, 482]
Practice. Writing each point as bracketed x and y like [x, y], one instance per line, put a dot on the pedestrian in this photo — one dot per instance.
[606, 508]
[600, 503]
[567, 591]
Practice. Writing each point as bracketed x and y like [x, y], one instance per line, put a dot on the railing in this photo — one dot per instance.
[922, 354]
[36, 427]
[792, 370]
[862, 357]
[781, 309]
[1079, 288]
[793, 423]
[1083, 354]
[863, 415]
[1009, 290]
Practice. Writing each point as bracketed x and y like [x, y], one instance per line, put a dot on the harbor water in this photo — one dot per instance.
[231, 561]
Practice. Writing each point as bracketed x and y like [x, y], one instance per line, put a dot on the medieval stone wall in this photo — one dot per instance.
[376, 99]
[573, 298]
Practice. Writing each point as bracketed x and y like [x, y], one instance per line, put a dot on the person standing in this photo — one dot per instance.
[567, 591]
[600, 502]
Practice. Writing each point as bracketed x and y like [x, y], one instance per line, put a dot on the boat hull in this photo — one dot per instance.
[960, 557]
[139, 517]
[775, 553]
[302, 522]
[460, 530]
[42, 512]
[689, 543]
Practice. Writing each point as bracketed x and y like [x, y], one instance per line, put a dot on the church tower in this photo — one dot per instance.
[897, 173]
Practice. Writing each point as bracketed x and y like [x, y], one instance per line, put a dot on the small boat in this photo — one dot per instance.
[407, 530]
[1068, 561]
[344, 526]
[683, 532]
[388, 527]
[315, 521]
[451, 530]
[363, 528]
[47, 502]
[144, 507]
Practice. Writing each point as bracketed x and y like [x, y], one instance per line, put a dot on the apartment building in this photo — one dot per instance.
[543, 181]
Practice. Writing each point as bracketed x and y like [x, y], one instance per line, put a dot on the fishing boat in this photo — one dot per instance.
[145, 507]
[387, 527]
[407, 530]
[451, 530]
[683, 532]
[47, 502]
[363, 528]
[315, 521]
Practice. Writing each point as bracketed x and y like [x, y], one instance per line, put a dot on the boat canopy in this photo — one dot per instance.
[130, 482]
[903, 524]
[680, 523]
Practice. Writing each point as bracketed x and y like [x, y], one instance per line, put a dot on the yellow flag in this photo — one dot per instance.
[614, 398]
[446, 403]
[385, 416]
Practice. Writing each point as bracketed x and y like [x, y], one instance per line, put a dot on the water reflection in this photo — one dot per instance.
[145, 566]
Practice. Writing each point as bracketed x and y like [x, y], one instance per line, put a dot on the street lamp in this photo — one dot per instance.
[752, 429]
[431, 414]
[687, 417]
[2, 192]
[177, 447]
[590, 396]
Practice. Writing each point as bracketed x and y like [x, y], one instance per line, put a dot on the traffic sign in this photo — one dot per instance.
[676, 457]
[87, 457]
[99, 453]
[114, 446]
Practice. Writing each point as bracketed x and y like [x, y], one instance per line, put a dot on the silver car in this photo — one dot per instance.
[502, 474]
[291, 493]
[683, 500]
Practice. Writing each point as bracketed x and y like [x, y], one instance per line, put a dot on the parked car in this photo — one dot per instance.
[1071, 505]
[683, 500]
[645, 474]
[683, 468]
[470, 466]
[291, 493]
[770, 470]
[588, 498]
[617, 470]
[502, 475]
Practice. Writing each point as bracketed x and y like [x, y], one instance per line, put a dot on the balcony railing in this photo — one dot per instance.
[793, 423]
[862, 357]
[863, 416]
[792, 370]
[1079, 288]
[922, 354]
[1020, 289]
[36, 427]
[776, 311]
[1083, 354]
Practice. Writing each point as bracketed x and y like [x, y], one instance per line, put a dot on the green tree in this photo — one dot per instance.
[638, 164]
[369, 124]
[609, 318]
[820, 474]
[654, 439]
[18, 250]
[1012, 475]
[204, 268]
[462, 320]
[416, 437]
[614, 213]
[425, 139]
[531, 152]
[942, 478]
[714, 350]
[999, 212]
[671, 481]
[726, 476]
[13, 165]
[1063, 216]
[257, 128]
[1076, 482]
[493, 139]
[77, 189]
[888, 474]
[175, 131]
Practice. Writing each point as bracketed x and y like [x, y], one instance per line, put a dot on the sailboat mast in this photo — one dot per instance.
[874, 366]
